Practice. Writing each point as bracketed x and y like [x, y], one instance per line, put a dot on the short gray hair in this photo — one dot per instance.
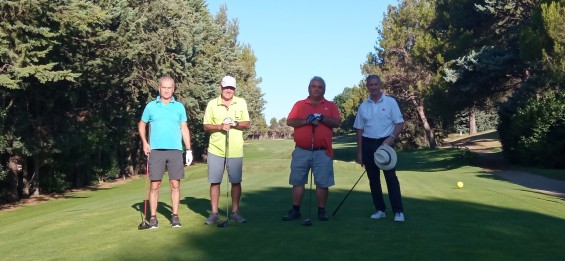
[318, 79]
[166, 78]
[373, 76]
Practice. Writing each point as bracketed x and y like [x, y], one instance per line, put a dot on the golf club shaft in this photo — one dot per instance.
[310, 197]
[347, 195]
[144, 224]
[226, 154]
[146, 189]
[226, 168]
[146, 199]
[311, 176]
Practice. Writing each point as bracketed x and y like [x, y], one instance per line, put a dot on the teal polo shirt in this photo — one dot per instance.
[164, 123]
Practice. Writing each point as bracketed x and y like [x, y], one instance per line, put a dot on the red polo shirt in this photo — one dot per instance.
[322, 134]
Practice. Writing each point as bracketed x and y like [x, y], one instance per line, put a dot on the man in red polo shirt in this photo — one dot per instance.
[313, 120]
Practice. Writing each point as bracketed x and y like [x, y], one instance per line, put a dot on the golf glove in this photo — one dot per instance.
[229, 121]
[310, 118]
[314, 117]
[188, 157]
[319, 116]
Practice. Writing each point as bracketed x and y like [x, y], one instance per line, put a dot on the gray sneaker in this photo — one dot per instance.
[153, 223]
[212, 219]
[175, 222]
[237, 217]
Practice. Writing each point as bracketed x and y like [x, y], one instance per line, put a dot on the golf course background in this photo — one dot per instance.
[488, 219]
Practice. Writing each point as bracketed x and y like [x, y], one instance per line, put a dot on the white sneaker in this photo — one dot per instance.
[378, 214]
[399, 217]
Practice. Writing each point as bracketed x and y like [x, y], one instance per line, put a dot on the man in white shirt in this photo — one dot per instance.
[379, 121]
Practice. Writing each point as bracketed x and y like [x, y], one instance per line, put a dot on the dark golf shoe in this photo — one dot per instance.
[292, 215]
[322, 215]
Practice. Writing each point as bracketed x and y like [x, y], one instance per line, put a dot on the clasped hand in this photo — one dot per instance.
[314, 117]
[228, 123]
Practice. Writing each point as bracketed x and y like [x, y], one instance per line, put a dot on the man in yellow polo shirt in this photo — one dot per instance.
[225, 119]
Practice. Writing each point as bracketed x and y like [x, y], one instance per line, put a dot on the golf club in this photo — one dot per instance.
[339, 206]
[144, 224]
[308, 222]
[226, 163]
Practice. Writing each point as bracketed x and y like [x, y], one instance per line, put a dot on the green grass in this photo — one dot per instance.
[489, 219]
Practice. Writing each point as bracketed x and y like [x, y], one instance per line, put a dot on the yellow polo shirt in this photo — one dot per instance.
[215, 114]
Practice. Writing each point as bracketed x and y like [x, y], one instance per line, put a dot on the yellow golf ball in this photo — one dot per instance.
[460, 184]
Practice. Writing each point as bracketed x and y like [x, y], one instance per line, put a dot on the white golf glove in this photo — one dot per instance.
[228, 120]
[188, 157]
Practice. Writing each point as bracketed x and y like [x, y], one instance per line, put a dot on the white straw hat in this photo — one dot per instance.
[385, 157]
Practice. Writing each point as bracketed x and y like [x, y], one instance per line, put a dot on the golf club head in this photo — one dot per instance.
[307, 222]
[143, 225]
[223, 224]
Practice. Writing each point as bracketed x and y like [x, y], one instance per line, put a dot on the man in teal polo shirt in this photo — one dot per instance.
[225, 119]
[168, 126]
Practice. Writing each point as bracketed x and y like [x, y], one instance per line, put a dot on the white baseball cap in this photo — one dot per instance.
[228, 81]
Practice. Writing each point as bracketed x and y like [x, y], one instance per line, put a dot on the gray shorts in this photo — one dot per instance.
[322, 167]
[216, 169]
[166, 160]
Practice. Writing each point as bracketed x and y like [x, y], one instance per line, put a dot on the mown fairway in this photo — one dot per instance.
[489, 219]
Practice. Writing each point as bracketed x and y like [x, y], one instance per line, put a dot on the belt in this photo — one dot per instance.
[312, 149]
[374, 140]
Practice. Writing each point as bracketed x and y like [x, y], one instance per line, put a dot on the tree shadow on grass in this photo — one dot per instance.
[448, 228]
[197, 205]
[421, 160]
[540, 184]
[163, 209]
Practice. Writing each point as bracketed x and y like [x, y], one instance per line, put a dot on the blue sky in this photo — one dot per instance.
[295, 40]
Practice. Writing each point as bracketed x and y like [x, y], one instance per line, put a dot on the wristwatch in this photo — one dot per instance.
[236, 123]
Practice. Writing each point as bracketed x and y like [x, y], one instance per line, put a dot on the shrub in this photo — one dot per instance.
[534, 133]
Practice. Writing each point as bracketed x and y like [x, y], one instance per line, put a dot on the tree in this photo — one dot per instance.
[482, 78]
[483, 47]
[531, 121]
[406, 58]
[75, 76]
[248, 88]
[348, 102]
[42, 46]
